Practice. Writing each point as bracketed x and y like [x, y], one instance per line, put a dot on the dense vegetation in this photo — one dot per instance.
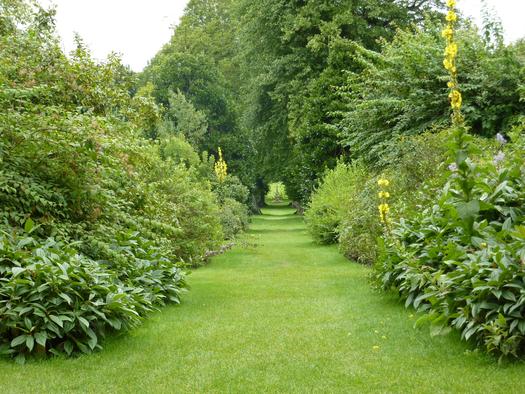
[448, 236]
[97, 220]
[113, 183]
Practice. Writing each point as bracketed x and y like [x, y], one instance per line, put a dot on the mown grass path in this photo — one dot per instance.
[286, 316]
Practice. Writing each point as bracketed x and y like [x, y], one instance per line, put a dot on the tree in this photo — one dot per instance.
[295, 54]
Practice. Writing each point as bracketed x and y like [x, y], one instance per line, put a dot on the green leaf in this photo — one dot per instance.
[17, 271]
[41, 338]
[29, 225]
[18, 340]
[30, 342]
[57, 320]
[83, 321]
[468, 210]
[68, 347]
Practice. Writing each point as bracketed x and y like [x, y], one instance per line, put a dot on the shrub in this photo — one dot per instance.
[332, 200]
[402, 90]
[53, 299]
[344, 207]
[233, 199]
[234, 217]
[231, 188]
[94, 222]
[461, 260]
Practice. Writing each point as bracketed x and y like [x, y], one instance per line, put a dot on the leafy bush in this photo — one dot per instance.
[53, 299]
[332, 200]
[95, 223]
[402, 90]
[461, 260]
[234, 217]
[344, 207]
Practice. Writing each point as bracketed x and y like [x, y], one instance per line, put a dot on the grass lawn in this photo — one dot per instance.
[284, 316]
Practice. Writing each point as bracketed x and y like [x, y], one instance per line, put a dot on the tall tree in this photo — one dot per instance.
[295, 55]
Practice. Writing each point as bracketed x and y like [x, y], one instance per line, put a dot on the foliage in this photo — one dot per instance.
[234, 217]
[331, 201]
[461, 260]
[53, 299]
[182, 118]
[344, 207]
[112, 216]
[276, 192]
[233, 198]
[402, 90]
[295, 55]
[231, 187]
[200, 65]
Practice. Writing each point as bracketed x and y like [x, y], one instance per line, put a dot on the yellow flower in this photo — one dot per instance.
[455, 99]
[452, 50]
[483, 244]
[376, 348]
[448, 64]
[447, 33]
[221, 168]
[451, 3]
[383, 182]
[384, 195]
[451, 84]
[452, 16]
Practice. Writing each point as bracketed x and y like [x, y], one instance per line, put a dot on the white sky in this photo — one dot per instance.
[137, 29]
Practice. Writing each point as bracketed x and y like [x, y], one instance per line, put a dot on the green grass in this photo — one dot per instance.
[284, 316]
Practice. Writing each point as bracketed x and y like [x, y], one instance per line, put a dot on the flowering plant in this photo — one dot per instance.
[461, 260]
[221, 168]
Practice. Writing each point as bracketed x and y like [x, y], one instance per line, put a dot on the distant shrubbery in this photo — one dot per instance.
[276, 193]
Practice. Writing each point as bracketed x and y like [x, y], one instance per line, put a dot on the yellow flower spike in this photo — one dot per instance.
[455, 99]
[452, 16]
[383, 182]
[451, 50]
[449, 62]
[221, 168]
[447, 33]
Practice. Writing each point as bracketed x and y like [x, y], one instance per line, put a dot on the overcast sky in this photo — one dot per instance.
[138, 29]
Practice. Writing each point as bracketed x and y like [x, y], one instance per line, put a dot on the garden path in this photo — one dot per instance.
[283, 316]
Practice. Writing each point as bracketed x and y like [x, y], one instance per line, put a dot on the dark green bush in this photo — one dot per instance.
[402, 90]
[53, 299]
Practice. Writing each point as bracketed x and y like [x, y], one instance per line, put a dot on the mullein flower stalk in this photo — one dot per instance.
[221, 168]
[384, 195]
